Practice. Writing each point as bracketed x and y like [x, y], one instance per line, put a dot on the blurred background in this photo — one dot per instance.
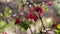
[29, 16]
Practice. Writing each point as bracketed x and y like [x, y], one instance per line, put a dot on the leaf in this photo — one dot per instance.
[24, 24]
[57, 31]
[38, 5]
[7, 11]
[1, 30]
[58, 26]
[58, 11]
[19, 6]
[46, 8]
[7, 15]
[2, 24]
[1, 15]
[10, 25]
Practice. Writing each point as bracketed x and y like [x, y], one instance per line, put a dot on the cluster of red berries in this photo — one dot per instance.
[31, 15]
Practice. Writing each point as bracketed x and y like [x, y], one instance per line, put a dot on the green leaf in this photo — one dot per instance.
[6, 15]
[2, 24]
[7, 11]
[38, 5]
[24, 24]
[57, 31]
[19, 6]
[1, 30]
[58, 11]
[58, 26]
[1, 15]
[46, 8]
[10, 25]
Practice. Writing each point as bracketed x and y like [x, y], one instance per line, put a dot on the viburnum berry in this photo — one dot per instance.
[31, 16]
[35, 18]
[49, 3]
[54, 25]
[17, 21]
[56, 19]
[38, 9]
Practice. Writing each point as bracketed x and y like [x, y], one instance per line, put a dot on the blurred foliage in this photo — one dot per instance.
[1, 15]
[24, 24]
[2, 24]
[58, 26]
[7, 11]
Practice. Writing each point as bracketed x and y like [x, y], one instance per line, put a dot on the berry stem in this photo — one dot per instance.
[42, 24]
[30, 30]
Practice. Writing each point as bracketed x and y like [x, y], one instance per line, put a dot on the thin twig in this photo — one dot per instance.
[30, 30]
[42, 23]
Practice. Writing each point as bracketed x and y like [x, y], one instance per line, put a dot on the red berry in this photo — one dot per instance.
[17, 21]
[31, 16]
[35, 18]
[54, 25]
[56, 19]
[49, 3]
[36, 9]
[39, 10]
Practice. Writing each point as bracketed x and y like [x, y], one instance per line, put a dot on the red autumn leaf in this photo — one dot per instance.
[17, 21]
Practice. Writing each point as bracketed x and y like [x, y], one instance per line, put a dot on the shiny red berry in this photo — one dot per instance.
[17, 21]
[38, 9]
[35, 18]
[31, 16]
